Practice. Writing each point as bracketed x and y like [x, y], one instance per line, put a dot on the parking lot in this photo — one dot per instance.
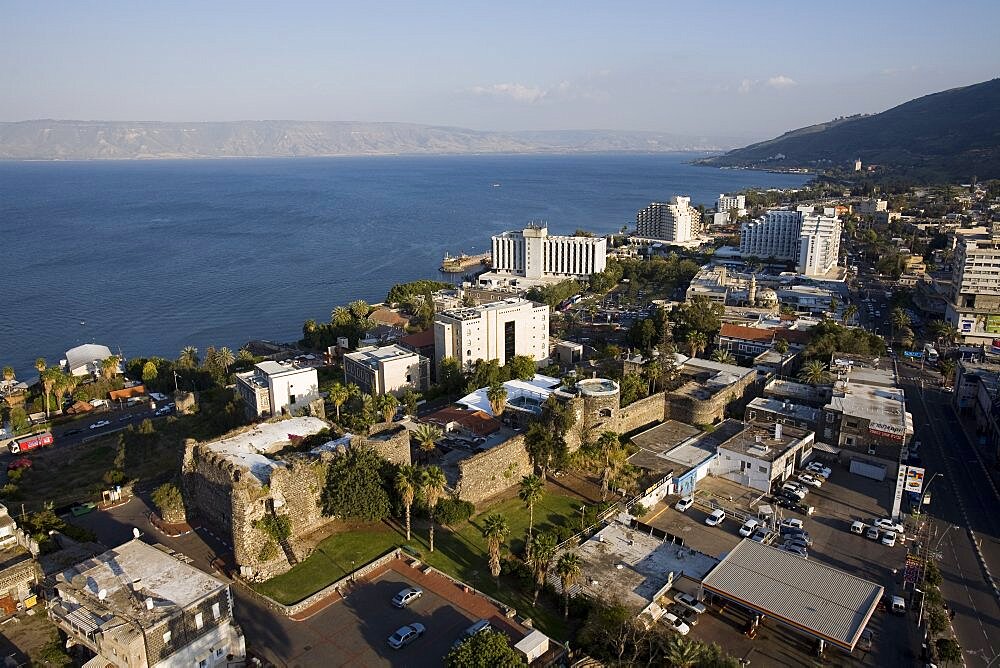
[842, 500]
[354, 631]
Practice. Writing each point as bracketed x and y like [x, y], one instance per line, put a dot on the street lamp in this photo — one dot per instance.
[927, 487]
[943, 534]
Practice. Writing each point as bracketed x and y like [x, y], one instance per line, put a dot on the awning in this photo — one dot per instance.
[823, 447]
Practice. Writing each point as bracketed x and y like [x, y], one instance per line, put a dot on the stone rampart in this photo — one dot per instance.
[642, 412]
[493, 471]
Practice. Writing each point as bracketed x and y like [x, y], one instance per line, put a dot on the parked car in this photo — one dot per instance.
[761, 535]
[792, 542]
[407, 596]
[889, 538]
[83, 508]
[801, 537]
[715, 518]
[858, 528]
[872, 533]
[796, 551]
[818, 469]
[898, 605]
[676, 623]
[748, 527]
[888, 524]
[792, 523]
[689, 602]
[99, 424]
[479, 627]
[684, 503]
[405, 635]
[18, 464]
[689, 617]
[810, 479]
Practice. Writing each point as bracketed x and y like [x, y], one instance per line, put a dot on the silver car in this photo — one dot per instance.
[405, 635]
[407, 596]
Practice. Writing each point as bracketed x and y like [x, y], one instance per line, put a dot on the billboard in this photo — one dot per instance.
[993, 324]
[914, 479]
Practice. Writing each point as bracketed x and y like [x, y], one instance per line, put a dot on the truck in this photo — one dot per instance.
[930, 354]
[27, 443]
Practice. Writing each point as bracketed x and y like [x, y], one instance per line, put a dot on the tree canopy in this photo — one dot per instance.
[356, 486]
[486, 649]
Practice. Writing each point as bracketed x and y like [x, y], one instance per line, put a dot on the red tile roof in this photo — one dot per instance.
[478, 422]
[763, 334]
[419, 340]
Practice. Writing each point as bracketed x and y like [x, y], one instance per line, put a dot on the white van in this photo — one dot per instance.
[898, 605]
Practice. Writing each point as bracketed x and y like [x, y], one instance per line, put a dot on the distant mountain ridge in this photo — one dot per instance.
[124, 140]
[951, 135]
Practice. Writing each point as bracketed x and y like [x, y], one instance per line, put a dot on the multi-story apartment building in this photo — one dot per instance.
[869, 207]
[810, 240]
[675, 220]
[389, 369]
[272, 388]
[137, 607]
[974, 306]
[726, 203]
[531, 253]
[494, 331]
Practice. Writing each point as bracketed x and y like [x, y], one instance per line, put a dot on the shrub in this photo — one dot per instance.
[452, 511]
[278, 527]
[638, 510]
[168, 500]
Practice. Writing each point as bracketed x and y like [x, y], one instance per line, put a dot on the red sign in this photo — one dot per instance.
[30, 442]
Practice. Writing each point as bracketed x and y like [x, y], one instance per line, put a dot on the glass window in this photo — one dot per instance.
[216, 610]
[199, 620]
[166, 636]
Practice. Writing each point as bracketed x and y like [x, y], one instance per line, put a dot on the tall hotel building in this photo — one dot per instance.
[532, 254]
[675, 221]
[810, 240]
[495, 331]
[974, 309]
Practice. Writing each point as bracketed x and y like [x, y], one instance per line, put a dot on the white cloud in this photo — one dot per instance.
[515, 91]
[781, 81]
[745, 86]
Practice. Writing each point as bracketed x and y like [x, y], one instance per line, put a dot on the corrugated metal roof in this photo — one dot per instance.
[818, 599]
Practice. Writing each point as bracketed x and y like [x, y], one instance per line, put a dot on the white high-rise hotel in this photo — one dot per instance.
[673, 221]
[811, 240]
[495, 331]
[531, 253]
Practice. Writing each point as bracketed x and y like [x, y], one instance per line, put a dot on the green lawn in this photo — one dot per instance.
[461, 553]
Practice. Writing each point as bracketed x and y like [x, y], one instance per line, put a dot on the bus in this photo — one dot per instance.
[27, 443]
[930, 354]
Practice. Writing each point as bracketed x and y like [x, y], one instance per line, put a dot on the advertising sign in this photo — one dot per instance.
[893, 431]
[914, 479]
[913, 353]
[993, 324]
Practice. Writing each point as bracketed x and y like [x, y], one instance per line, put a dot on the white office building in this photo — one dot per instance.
[389, 369]
[974, 308]
[273, 388]
[727, 203]
[675, 220]
[533, 254]
[495, 331]
[810, 240]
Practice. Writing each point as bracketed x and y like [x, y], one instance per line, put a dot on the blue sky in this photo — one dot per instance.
[716, 69]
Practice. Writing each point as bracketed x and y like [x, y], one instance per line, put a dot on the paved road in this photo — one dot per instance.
[963, 498]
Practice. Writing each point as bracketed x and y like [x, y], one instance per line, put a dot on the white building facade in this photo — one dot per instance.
[675, 220]
[389, 369]
[974, 307]
[810, 240]
[531, 253]
[494, 331]
[726, 203]
[276, 387]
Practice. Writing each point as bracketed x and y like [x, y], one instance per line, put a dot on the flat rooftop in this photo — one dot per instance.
[473, 312]
[523, 394]
[133, 572]
[272, 368]
[372, 356]
[705, 445]
[795, 390]
[656, 441]
[250, 449]
[618, 562]
[765, 442]
[785, 408]
[819, 600]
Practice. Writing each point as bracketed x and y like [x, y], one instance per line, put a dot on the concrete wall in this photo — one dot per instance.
[493, 471]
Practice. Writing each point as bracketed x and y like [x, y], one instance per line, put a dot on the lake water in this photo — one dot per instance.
[149, 257]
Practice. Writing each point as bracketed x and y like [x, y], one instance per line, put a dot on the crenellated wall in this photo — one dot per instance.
[490, 472]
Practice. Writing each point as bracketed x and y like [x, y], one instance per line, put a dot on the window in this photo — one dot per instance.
[216, 610]
[166, 636]
[850, 441]
[199, 620]
[203, 663]
[762, 469]
[219, 651]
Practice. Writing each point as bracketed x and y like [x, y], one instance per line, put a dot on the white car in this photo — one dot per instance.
[99, 424]
[810, 479]
[886, 524]
[889, 538]
[684, 503]
[818, 469]
[676, 623]
[715, 518]
[748, 527]
[690, 602]
[872, 533]
[792, 522]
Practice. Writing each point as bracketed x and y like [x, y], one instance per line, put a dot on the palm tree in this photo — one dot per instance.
[407, 482]
[899, 319]
[432, 482]
[427, 436]
[495, 531]
[723, 356]
[359, 309]
[244, 356]
[543, 549]
[224, 358]
[568, 569]
[814, 373]
[497, 395]
[781, 346]
[8, 373]
[109, 367]
[682, 653]
[189, 357]
[48, 380]
[531, 490]
[696, 342]
[386, 404]
[340, 316]
[941, 330]
[833, 305]
[850, 311]
[40, 365]
[338, 394]
[654, 372]
[947, 371]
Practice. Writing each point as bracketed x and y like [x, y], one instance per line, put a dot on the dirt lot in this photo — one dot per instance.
[23, 637]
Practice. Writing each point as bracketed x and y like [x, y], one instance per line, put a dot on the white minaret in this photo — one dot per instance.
[752, 292]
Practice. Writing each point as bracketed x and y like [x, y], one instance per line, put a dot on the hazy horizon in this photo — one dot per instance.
[682, 69]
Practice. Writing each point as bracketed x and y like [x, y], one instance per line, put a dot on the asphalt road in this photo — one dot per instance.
[962, 498]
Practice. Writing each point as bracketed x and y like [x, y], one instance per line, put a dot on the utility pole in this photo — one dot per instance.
[176, 389]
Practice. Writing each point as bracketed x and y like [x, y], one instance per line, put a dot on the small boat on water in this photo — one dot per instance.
[496, 185]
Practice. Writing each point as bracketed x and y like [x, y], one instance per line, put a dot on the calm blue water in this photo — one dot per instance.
[153, 256]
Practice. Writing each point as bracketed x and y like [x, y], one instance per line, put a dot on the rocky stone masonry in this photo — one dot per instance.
[490, 472]
[686, 405]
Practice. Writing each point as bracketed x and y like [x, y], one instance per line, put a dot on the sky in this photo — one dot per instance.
[745, 69]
